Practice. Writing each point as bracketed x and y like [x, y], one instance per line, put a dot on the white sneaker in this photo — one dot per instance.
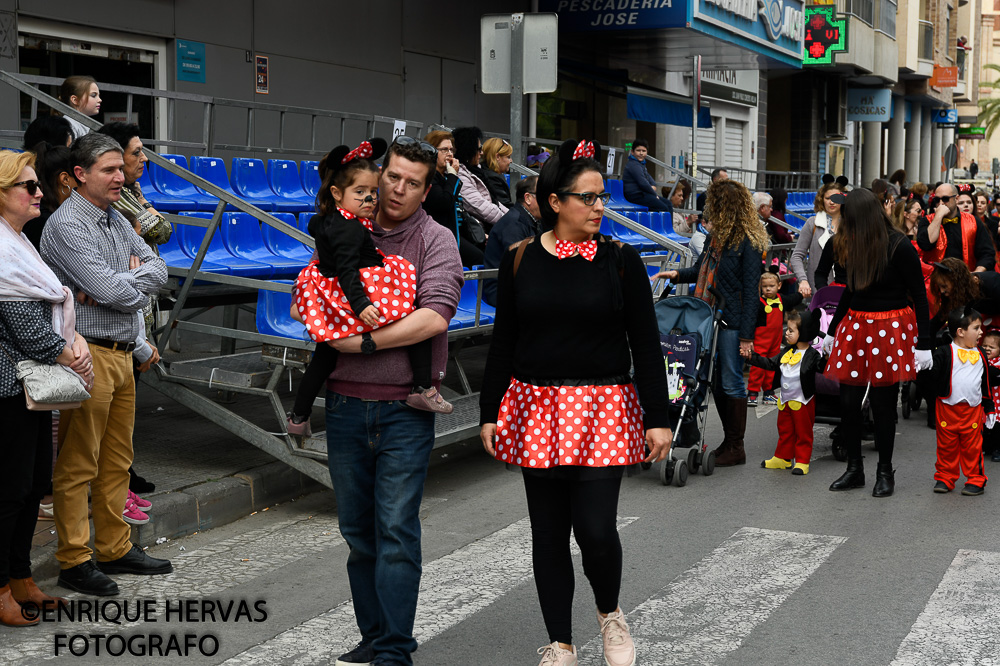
[619, 650]
[554, 655]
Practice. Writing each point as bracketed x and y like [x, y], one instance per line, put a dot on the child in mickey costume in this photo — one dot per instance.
[353, 288]
[767, 337]
[794, 369]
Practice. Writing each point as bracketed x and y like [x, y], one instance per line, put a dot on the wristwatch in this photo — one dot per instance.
[367, 344]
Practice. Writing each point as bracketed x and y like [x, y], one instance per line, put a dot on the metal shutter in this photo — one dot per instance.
[706, 146]
[734, 144]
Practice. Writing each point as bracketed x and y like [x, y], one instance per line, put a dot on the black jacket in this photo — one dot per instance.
[812, 362]
[442, 201]
[736, 277]
[788, 303]
[497, 185]
[515, 226]
[344, 246]
[941, 375]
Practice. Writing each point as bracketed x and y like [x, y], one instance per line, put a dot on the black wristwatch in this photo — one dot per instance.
[367, 344]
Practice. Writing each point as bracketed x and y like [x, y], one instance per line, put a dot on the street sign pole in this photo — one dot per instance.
[516, 83]
[695, 104]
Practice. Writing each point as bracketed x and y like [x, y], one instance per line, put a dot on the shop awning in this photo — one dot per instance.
[667, 112]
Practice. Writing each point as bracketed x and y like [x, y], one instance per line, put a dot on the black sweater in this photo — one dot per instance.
[556, 320]
[902, 281]
[344, 247]
[826, 263]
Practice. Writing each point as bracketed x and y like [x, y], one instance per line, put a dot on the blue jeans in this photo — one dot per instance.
[730, 363]
[378, 455]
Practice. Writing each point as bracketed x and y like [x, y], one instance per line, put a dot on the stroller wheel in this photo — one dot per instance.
[708, 463]
[692, 460]
[667, 471]
[680, 474]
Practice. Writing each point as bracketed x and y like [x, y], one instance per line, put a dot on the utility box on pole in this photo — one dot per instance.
[519, 55]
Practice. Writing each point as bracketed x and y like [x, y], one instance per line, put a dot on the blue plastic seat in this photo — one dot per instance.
[618, 201]
[467, 303]
[626, 235]
[310, 177]
[162, 202]
[173, 255]
[173, 185]
[304, 221]
[273, 315]
[284, 245]
[213, 169]
[190, 238]
[283, 177]
[241, 234]
[250, 182]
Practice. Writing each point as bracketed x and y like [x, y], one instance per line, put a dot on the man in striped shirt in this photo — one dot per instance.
[95, 252]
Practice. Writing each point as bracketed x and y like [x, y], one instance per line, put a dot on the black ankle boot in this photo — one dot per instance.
[885, 480]
[854, 477]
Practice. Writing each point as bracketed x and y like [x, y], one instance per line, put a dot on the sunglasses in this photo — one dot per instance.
[945, 199]
[589, 198]
[30, 185]
[410, 141]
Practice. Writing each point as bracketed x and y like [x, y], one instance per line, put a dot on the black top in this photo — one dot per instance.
[902, 281]
[344, 247]
[982, 249]
[517, 224]
[33, 228]
[826, 262]
[556, 320]
[497, 185]
[442, 200]
[812, 362]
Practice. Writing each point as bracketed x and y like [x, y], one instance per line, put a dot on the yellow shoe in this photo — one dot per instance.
[776, 463]
[800, 469]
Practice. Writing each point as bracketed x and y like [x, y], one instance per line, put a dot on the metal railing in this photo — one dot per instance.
[864, 10]
[887, 17]
[790, 181]
[925, 41]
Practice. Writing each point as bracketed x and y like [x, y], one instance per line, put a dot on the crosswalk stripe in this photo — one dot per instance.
[452, 589]
[958, 624]
[705, 613]
[207, 570]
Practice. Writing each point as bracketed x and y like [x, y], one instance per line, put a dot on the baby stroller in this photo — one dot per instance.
[689, 329]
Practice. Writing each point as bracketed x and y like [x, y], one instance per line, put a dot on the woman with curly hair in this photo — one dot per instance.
[954, 286]
[731, 264]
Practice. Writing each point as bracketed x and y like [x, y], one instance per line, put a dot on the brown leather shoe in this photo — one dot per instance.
[25, 589]
[10, 610]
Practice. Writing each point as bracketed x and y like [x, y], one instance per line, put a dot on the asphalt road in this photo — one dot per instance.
[748, 566]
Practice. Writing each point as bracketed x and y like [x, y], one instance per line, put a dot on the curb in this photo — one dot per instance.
[202, 506]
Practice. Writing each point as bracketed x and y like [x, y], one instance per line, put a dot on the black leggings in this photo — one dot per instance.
[325, 360]
[883, 407]
[26, 451]
[590, 508]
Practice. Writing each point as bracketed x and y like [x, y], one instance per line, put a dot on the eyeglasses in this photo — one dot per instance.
[410, 141]
[30, 185]
[945, 199]
[589, 198]
[531, 192]
[446, 150]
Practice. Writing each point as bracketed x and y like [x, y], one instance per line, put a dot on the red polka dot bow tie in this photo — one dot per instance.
[364, 150]
[584, 149]
[565, 248]
[351, 216]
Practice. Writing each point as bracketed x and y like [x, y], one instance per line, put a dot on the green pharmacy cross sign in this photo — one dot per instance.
[825, 35]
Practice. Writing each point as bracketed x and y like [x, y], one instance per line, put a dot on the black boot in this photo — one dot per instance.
[885, 480]
[736, 425]
[854, 477]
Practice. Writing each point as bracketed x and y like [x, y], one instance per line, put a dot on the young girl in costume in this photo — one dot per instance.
[767, 337]
[991, 436]
[353, 288]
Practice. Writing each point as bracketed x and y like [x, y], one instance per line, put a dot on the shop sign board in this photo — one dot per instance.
[772, 27]
[260, 63]
[942, 116]
[190, 61]
[944, 77]
[590, 15]
[869, 104]
[738, 86]
[970, 133]
[826, 35]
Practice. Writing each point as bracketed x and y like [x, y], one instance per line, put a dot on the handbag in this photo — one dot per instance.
[49, 387]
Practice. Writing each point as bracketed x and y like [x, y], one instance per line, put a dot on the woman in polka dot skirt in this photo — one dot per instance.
[353, 288]
[879, 334]
[574, 310]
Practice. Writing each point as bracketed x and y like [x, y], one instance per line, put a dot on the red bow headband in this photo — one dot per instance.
[584, 149]
[364, 150]
[965, 188]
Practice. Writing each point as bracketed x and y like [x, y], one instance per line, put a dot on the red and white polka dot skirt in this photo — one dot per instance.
[875, 347]
[588, 426]
[326, 312]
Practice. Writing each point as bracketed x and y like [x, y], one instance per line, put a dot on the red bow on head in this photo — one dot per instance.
[364, 150]
[565, 248]
[351, 216]
[584, 149]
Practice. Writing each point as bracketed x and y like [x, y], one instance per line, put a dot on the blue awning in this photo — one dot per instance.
[653, 110]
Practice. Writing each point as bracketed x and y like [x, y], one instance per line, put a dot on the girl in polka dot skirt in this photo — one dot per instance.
[353, 288]
[573, 310]
[880, 333]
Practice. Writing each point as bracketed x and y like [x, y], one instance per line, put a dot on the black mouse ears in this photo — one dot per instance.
[577, 149]
[371, 149]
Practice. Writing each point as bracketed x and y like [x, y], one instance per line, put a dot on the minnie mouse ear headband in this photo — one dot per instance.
[372, 149]
[941, 267]
[809, 326]
[573, 149]
[965, 188]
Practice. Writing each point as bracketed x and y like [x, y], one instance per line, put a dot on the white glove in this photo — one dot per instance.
[827, 345]
[923, 359]
[991, 420]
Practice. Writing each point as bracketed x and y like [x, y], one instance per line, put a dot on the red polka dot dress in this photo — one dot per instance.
[325, 307]
[874, 347]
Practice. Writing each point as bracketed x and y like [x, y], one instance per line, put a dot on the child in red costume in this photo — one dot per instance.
[964, 404]
[767, 338]
[794, 369]
[991, 436]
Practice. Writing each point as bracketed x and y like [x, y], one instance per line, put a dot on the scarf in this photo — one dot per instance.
[706, 274]
[24, 276]
[823, 222]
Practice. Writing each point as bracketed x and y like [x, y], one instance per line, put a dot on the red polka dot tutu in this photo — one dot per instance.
[326, 312]
[874, 347]
[589, 426]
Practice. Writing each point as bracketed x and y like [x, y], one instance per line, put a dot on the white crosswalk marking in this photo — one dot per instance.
[452, 589]
[705, 613]
[958, 624]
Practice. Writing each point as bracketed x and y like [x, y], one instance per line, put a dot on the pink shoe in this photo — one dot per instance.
[144, 505]
[429, 401]
[132, 514]
[300, 428]
[619, 650]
